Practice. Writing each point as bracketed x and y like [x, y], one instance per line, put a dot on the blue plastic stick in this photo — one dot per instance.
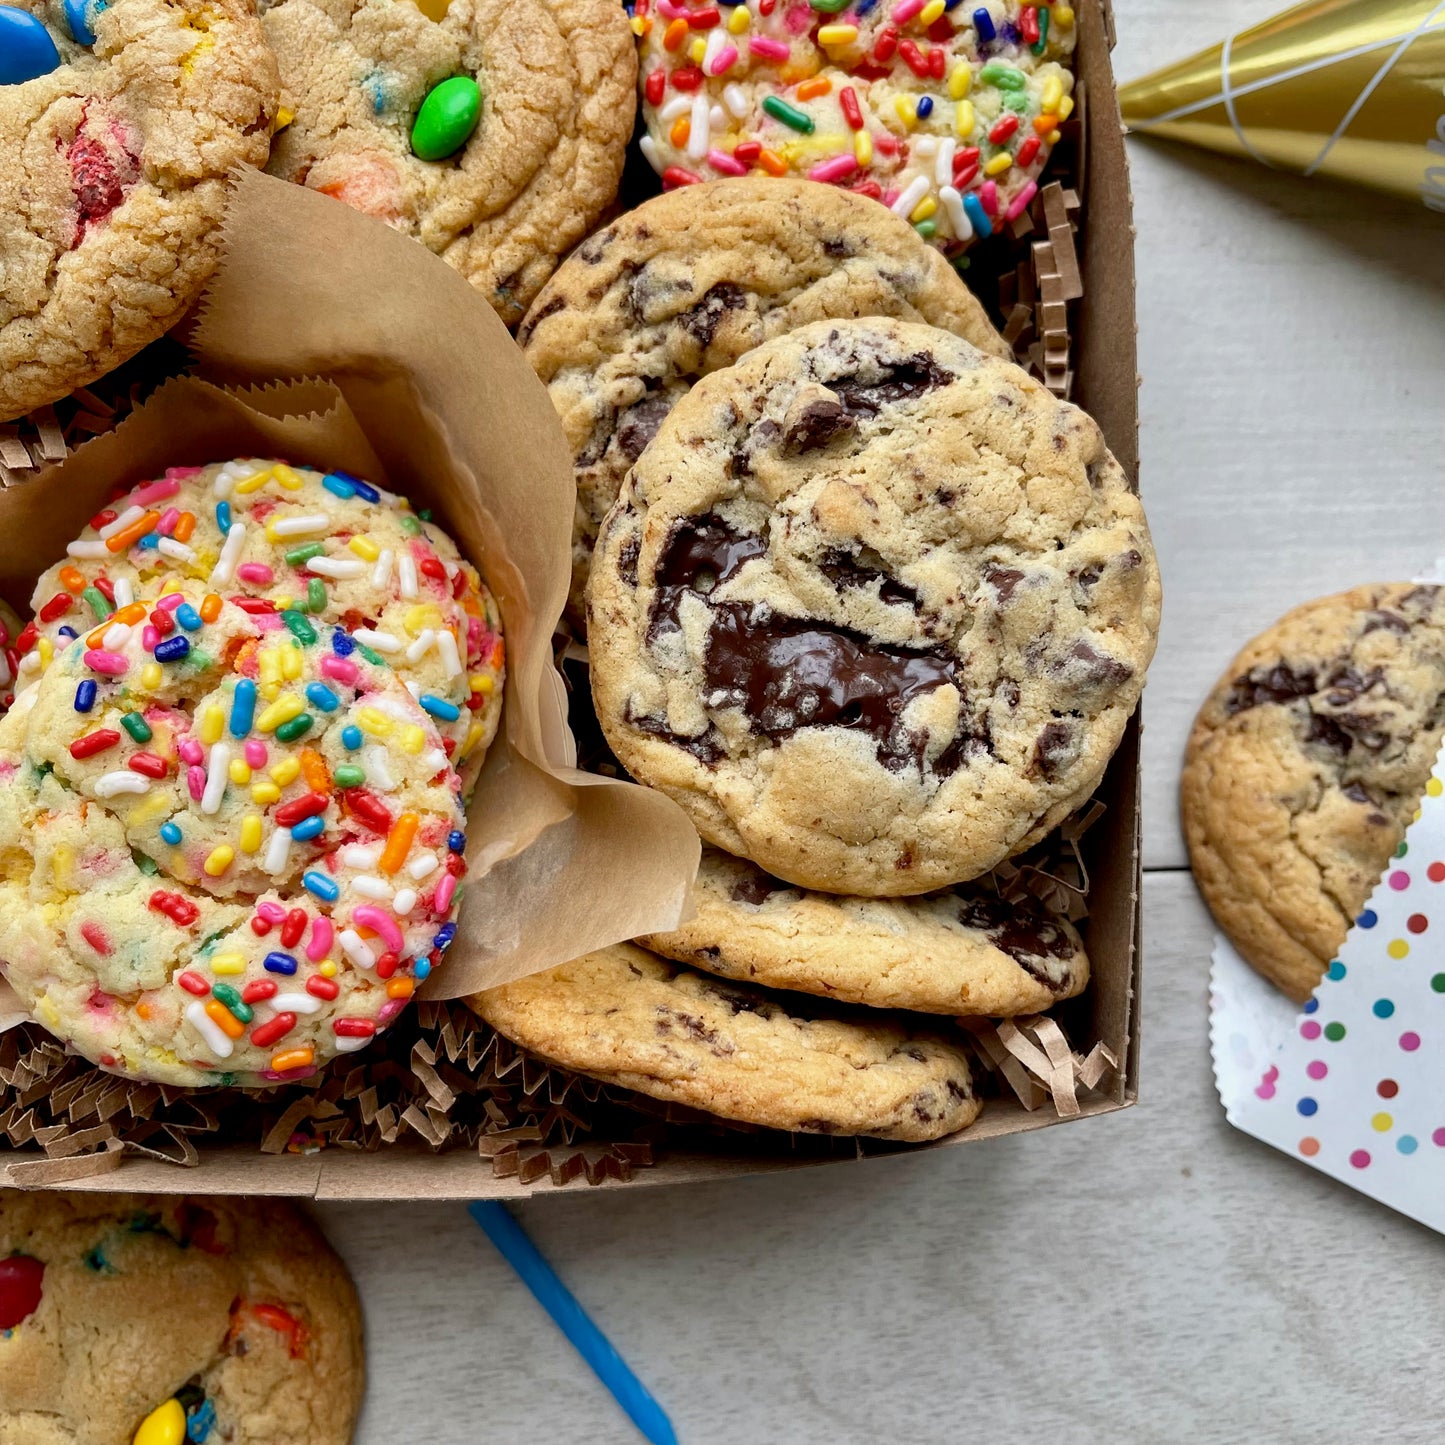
[554, 1297]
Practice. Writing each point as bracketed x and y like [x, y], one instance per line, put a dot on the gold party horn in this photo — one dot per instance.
[1348, 88]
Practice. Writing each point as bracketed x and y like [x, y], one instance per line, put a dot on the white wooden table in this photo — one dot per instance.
[1152, 1276]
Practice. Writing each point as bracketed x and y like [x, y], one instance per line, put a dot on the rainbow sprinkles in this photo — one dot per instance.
[944, 112]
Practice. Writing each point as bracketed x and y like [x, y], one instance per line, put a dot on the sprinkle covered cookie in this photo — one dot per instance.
[118, 124]
[304, 553]
[1306, 765]
[630, 1018]
[873, 607]
[945, 112]
[689, 281]
[232, 850]
[127, 1320]
[492, 132]
[964, 952]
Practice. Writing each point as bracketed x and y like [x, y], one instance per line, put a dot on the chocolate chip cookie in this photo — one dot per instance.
[627, 1017]
[1305, 767]
[114, 179]
[689, 281]
[125, 1318]
[873, 607]
[552, 88]
[963, 952]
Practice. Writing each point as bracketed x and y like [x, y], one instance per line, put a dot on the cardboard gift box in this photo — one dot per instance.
[333, 341]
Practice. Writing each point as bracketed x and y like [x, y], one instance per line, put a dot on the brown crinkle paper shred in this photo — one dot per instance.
[50, 433]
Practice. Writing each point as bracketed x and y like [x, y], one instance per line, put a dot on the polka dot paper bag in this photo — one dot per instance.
[1354, 1083]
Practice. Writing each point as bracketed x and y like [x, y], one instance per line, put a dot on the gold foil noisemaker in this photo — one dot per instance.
[1353, 89]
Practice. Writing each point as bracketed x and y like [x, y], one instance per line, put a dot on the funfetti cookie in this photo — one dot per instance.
[1306, 765]
[965, 952]
[492, 132]
[689, 281]
[127, 1320]
[231, 852]
[627, 1017]
[315, 552]
[119, 123]
[945, 113]
[873, 607]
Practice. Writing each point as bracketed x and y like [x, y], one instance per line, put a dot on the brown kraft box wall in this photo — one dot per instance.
[551, 849]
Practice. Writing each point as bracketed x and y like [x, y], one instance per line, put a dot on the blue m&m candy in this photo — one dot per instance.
[80, 17]
[26, 49]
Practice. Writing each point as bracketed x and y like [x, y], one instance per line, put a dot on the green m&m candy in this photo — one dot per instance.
[447, 117]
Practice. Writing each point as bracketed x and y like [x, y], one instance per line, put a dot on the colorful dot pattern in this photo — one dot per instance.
[1359, 1089]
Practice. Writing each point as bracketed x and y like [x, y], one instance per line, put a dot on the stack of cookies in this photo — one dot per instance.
[873, 607]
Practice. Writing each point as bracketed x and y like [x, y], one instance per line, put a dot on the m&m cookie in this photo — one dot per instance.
[494, 133]
[134, 1320]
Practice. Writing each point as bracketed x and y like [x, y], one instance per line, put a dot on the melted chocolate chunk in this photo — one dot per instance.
[1364, 730]
[756, 887]
[594, 247]
[763, 435]
[787, 674]
[836, 248]
[1384, 621]
[847, 570]
[524, 332]
[1356, 793]
[903, 382]
[1098, 668]
[699, 556]
[1051, 749]
[707, 747]
[818, 424]
[639, 423]
[1003, 580]
[1088, 576]
[1280, 683]
[1346, 683]
[1327, 733]
[1420, 601]
[692, 1027]
[627, 559]
[1026, 937]
[701, 321]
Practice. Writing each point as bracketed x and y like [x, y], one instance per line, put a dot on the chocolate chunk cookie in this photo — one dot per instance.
[552, 84]
[873, 607]
[113, 180]
[965, 952]
[692, 279]
[1305, 767]
[627, 1017]
[125, 1318]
